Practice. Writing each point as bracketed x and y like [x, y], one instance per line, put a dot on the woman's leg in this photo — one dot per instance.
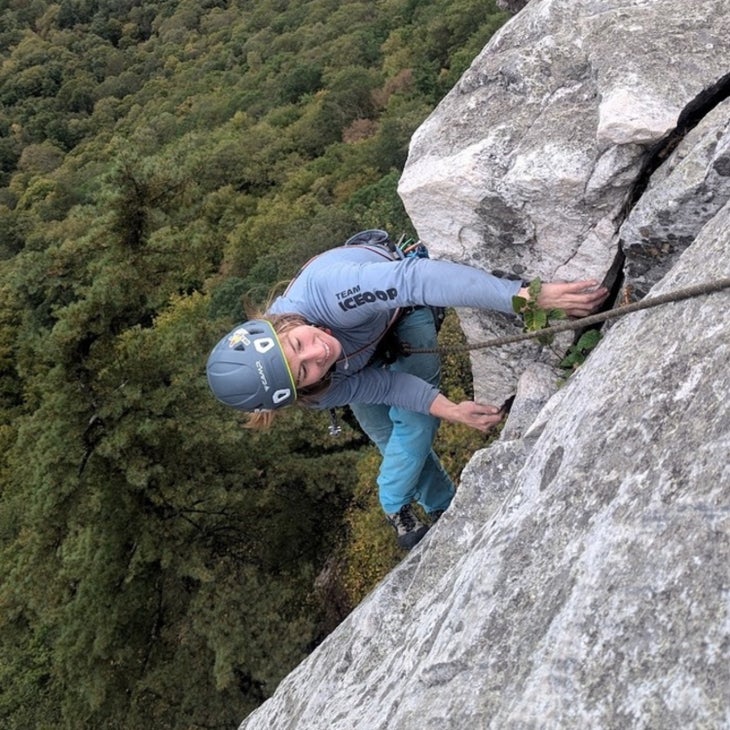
[410, 470]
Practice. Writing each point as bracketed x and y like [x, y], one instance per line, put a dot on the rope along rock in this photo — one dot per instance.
[647, 303]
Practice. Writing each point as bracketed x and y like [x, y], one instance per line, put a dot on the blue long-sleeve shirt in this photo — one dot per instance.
[355, 290]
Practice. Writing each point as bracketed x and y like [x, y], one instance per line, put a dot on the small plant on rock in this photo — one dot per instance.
[534, 317]
[578, 352]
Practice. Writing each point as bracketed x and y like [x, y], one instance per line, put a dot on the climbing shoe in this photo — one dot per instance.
[408, 528]
[435, 515]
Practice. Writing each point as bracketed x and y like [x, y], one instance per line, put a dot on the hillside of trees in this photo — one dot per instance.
[162, 166]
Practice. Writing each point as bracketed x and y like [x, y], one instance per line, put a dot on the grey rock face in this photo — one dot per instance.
[511, 6]
[537, 384]
[683, 194]
[529, 164]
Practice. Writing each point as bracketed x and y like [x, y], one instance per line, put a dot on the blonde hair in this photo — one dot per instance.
[283, 323]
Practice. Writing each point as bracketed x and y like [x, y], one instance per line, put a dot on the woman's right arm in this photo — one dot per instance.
[477, 415]
[577, 298]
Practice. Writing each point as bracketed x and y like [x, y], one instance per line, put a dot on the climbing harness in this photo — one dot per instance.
[654, 301]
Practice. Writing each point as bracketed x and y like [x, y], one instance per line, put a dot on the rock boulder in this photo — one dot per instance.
[531, 164]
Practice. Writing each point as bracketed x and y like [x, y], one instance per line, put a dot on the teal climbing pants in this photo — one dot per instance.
[410, 470]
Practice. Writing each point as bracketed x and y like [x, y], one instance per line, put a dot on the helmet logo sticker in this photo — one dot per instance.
[263, 344]
[281, 395]
[262, 374]
[238, 337]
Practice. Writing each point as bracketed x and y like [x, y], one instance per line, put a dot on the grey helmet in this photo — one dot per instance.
[248, 371]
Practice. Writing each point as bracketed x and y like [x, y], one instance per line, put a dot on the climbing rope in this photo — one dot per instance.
[575, 324]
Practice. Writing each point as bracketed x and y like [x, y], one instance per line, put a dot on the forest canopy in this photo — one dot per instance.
[162, 166]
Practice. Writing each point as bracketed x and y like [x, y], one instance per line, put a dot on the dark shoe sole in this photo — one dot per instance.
[411, 539]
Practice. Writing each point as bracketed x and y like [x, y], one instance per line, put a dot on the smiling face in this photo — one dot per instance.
[310, 352]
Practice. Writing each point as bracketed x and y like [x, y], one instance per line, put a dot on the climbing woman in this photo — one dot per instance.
[327, 342]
